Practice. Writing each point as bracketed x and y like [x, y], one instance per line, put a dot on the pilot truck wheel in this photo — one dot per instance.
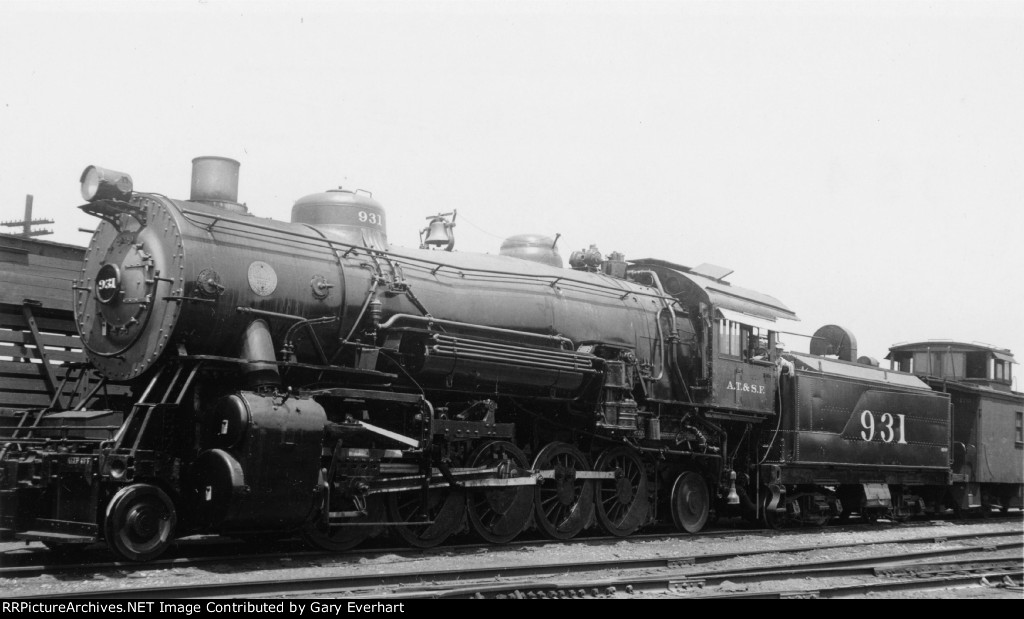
[140, 522]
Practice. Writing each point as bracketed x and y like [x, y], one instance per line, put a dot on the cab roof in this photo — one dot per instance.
[706, 281]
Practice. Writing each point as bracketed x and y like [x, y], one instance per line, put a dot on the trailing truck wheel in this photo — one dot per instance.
[563, 505]
[622, 503]
[140, 522]
[499, 514]
[690, 502]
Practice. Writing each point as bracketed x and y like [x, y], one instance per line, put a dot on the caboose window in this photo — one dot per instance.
[1020, 428]
[953, 364]
[940, 363]
[977, 364]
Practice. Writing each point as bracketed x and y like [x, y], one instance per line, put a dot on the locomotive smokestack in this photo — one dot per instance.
[215, 182]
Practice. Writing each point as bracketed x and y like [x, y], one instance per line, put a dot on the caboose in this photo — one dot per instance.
[988, 417]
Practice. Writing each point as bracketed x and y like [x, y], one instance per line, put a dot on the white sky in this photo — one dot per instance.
[862, 162]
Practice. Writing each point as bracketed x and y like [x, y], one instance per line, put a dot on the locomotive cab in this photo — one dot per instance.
[734, 338]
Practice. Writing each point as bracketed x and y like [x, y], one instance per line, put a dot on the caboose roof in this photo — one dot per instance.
[1003, 354]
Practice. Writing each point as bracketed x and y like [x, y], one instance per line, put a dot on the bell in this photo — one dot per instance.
[439, 234]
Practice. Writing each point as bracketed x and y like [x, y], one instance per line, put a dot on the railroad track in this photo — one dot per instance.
[896, 571]
[221, 551]
[674, 575]
[994, 572]
[20, 563]
[881, 573]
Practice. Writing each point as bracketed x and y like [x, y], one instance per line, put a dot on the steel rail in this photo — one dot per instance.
[7, 569]
[362, 552]
[545, 571]
[839, 591]
[691, 584]
[975, 573]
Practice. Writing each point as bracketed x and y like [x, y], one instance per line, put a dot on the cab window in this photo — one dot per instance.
[739, 340]
[729, 338]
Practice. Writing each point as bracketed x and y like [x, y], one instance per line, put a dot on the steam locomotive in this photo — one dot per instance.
[308, 377]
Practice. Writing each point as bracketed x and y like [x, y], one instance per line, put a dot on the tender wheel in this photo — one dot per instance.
[820, 521]
[564, 504]
[140, 522]
[622, 503]
[690, 502]
[499, 514]
[349, 533]
[445, 509]
[898, 518]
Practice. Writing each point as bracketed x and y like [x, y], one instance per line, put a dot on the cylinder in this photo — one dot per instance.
[264, 479]
[215, 181]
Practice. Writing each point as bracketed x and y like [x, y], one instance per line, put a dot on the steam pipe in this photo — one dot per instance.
[258, 349]
[497, 358]
[374, 281]
[452, 323]
[547, 353]
[506, 354]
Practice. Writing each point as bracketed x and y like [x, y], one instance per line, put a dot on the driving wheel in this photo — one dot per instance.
[563, 504]
[622, 503]
[496, 513]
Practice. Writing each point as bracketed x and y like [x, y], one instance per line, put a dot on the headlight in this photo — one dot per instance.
[102, 184]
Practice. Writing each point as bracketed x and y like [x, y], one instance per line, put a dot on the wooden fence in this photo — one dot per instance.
[38, 338]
